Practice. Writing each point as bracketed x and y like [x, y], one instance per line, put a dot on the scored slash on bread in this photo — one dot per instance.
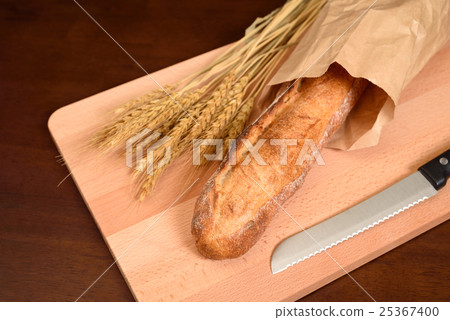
[238, 201]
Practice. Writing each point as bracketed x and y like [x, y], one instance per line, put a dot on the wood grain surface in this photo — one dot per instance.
[53, 55]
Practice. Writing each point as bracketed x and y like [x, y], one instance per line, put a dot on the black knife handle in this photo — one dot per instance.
[437, 171]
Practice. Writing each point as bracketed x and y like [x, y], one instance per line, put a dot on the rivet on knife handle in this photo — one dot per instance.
[437, 171]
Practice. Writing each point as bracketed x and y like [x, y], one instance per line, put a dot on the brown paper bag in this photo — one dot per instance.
[386, 42]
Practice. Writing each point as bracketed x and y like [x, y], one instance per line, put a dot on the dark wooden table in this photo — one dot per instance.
[53, 54]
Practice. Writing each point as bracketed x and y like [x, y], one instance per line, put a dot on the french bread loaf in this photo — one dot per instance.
[239, 200]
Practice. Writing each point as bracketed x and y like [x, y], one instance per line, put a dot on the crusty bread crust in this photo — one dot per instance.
[238, 201]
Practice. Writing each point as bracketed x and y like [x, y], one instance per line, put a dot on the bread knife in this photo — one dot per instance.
[419, 186]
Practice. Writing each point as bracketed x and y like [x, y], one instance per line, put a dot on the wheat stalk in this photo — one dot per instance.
[144, 99]
[182, 135]
[191, 125]
[216, 101]
[238, 123]
[162, 112]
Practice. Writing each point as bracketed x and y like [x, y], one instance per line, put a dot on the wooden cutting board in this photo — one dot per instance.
[162, 263]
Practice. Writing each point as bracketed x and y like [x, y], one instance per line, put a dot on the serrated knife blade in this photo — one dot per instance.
[406, 193]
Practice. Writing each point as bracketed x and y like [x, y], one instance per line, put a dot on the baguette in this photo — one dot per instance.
[239, 200]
